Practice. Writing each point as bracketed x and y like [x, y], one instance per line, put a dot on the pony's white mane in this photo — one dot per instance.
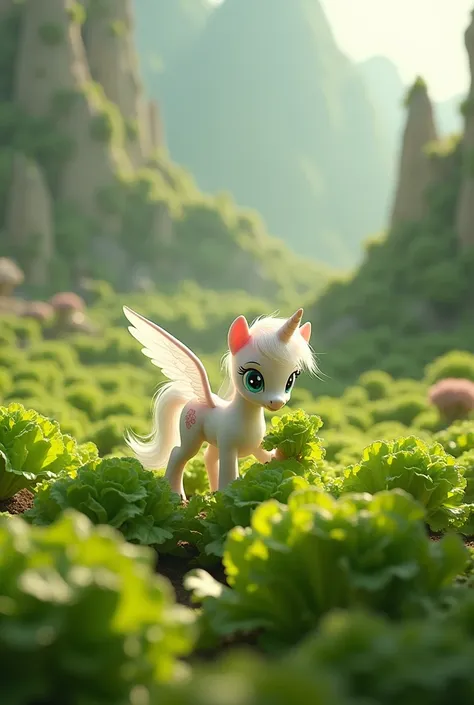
[263, 331]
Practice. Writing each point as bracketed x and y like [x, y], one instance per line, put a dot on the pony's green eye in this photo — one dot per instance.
[253, 380]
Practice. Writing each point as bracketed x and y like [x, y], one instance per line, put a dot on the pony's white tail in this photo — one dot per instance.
[153, 451]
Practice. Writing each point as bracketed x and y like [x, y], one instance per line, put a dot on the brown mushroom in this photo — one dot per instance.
[39, 310]
[453, 397]
[66, 304]
[67, 301]
[11, 276]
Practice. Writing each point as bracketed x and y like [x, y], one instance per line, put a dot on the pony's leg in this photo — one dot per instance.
[228, 465]
[211, 459]
[263, 456]
[178, 459]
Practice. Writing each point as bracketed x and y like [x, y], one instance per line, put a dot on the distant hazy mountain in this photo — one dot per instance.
[165, 30]
[280, 118]
[265, 105]
[386, 90]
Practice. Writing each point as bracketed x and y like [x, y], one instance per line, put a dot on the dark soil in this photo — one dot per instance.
[438, 535]
[175, 568]
[17, 504]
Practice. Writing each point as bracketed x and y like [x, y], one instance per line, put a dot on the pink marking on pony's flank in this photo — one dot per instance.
[190, 418]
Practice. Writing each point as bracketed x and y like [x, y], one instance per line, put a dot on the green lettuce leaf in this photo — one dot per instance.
[457, 438]
[86, 613]
[249, 679]
[33, 449]
[234, 505]
[195, 477]
[114, 491]
[427, 472]
[294, 435]
[354, 658]
[297, 562]
[377, 661]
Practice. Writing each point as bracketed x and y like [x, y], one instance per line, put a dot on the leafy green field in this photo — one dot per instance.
[340, 575]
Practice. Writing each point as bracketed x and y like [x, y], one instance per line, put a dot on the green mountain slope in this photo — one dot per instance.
[411, 299]
[86, 188]
[267, 107]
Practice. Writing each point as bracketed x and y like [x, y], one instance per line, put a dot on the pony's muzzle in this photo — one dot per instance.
[276, 404]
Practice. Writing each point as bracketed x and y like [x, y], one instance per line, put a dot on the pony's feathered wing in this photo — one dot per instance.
[188, 380]
[176, 361]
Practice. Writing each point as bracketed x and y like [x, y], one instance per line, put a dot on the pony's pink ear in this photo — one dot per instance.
[305, 331]
[239, 335]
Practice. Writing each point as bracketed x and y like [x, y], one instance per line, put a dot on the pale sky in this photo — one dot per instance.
[422, 37]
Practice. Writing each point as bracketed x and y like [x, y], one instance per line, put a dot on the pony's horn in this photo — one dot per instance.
[290, 326]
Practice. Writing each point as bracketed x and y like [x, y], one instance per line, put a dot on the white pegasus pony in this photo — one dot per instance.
[262, 365]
